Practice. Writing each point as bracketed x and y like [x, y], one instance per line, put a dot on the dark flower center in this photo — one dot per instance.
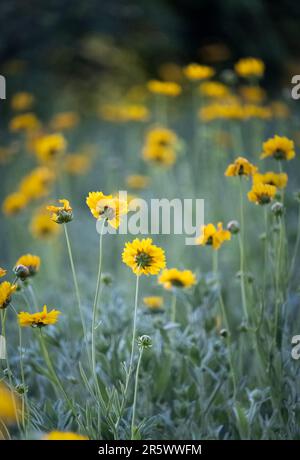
[264, 199]
[143, 259]
[279, 154]
[176, 282]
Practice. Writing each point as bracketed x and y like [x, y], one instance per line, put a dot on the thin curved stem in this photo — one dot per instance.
[135, 393]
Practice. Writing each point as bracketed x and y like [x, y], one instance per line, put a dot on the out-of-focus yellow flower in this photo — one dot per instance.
[40, 319]
[2, 272]
[31, 262]
[198, 72]
[61, 214]
[279, 180]
[163, 156]
[36, 184]
[213, 236]
[14, 203]
[165, 88]
[170, 71]
[25, 122]
[279, 147]
[231, 110]
[256, 111]
[64, 436]
[6, 291]
[10, 405]
[280, 109]
[214, 89]
[107, 207]
[253, 94]
[153, 302]
[162, 136]
[262, 193]
[250, 67]
[137, 181]
[77, 164]
[135, 112]
[64, 120]
[124, 113]
[22, 101]
[240, 167]
[143, 257]
[48, 147]
[42, 226]
[174, 278]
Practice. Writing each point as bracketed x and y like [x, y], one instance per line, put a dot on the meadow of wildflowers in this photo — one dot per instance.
[110, 336]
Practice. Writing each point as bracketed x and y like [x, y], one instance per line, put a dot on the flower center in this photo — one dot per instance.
[209, 241]
[264, 199]
[279, 154]
[176, 282]
[143, 259]
[107, 212]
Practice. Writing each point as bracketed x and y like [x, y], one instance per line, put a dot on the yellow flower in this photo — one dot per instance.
[124, 113]
[241, 167]
[40, 319]
[250, 67]
[49, 147]
[171, 277]
[164, 156]
[137, 181]
[153, 302]
[253, 94]
[280, 109]
[36, 184]
[279, 180]
[22, 101]
[212, 236]
[107, 207]
[9, 405]
[214, 89]
[166, 88]
[42, 226]
[64, 121]
[198, 72]
[143, 257]
[31, 262]
[262, 193]
[162, 137]
[64, 436]
[26, 122]
[6, 291]
[2, 272]
[279, 147]
[14, 203]
[61, 214]
[256, 111]
[77, 163]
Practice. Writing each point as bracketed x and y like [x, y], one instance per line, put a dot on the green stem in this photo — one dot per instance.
[242, 252]
[135, 393]
[296, 248]
[277, 285]
[173, 308]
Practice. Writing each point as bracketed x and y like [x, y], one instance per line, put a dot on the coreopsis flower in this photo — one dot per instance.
[9, 405]
[2, 272]
[64, 121]
[48, 147]
[279, 147]
[136, 112]
[14, 203]
[165, 88]
[77, 164]
[153, 302]
[61, 214]
[36, 184]
[262, 193]
[279, 180]
[162, 137]
[250, 67]
[143, 257]
[42, 226]
[22, 101]
[163, 156]
[256, 111]
[198, 72]
[40, 319]
[241, 167]
[30, 262]
[107, 207]
[137, 181]
[253, 94]
[214, 89]
[174, 278]
[230, 110]
[213, 236]
[64, 436]
[26, 122]
[6, 291]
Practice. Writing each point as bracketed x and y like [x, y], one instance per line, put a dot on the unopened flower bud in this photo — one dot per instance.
[277, 209]
[144, 341]
[233, 226]
[224, 333]
[106, 278]
[22, 272]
